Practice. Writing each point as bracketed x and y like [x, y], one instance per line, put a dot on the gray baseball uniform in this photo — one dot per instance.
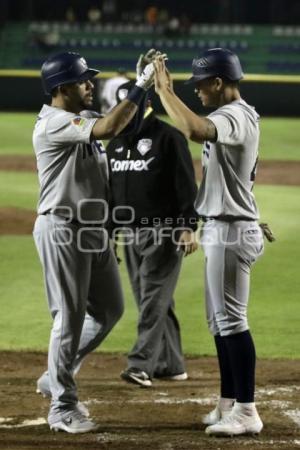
[231, 238]
[80, 270]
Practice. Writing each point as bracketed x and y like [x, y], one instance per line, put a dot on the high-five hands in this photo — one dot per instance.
[145, 67]
[162, 75]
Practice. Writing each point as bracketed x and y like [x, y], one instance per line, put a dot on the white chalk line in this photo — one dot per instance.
[294, 415]
[25, 423]
[270, 441]
[165, 401]
[278, 389]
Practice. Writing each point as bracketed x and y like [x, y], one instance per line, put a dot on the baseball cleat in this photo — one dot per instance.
[136, 376]
[222, 410]
[173, 377]
[42, 385]
[74, 422]
[236, 423]
[43, 388]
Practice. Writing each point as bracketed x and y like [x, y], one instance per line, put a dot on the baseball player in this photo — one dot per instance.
[80, 270]
[231, 237]
[107, 92]
[153, 191]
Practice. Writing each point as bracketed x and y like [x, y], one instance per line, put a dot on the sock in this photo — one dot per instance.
[248, 409]
[227, 381]
[242, 357]
[225, 404]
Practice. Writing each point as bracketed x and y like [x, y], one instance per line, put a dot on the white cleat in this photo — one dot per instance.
[136, 376]
[177, 377]
[238, 422]
[74, 422]
[222, 410]
[42, 385]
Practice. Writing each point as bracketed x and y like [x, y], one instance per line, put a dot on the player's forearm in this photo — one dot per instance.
[114, 122]
[196, 128]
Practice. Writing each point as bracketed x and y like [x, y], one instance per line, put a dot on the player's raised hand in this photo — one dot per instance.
[162, 77]
[146, 79]
[147, 59]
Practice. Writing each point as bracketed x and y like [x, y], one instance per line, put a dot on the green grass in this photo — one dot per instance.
[18, 189]
[16, 133]
[274, 307]
[279, 137]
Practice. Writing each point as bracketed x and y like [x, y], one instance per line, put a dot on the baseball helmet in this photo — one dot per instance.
[64, 68]
[216, 62]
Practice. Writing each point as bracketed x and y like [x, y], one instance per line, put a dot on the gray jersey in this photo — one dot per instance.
[229, 164]
[72, 171]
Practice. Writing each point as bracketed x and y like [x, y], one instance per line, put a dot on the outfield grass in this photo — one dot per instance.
[279, 137]
[274, 306]
[18, 189]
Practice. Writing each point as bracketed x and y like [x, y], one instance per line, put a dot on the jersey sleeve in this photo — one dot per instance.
[230, 124]
[69, 128]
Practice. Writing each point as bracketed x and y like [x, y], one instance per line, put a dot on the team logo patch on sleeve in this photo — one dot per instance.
[79, 121]
[144, 145]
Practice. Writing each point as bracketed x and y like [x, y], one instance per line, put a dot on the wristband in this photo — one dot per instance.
[136, 95]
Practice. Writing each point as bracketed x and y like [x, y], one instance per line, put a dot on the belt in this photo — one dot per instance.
[228, 218]
[74, 221]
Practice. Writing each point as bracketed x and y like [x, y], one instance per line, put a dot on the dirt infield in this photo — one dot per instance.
[164, 417]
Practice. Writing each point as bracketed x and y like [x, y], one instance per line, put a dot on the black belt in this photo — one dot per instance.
[227, 218]
[74, 221]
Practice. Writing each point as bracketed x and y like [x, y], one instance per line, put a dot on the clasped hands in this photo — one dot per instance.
[152, 66]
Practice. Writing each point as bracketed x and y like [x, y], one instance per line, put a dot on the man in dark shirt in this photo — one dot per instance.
[153, 191]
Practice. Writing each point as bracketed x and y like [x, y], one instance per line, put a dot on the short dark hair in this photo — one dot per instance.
[54, 92]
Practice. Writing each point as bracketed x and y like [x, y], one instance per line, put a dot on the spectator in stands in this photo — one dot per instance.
[107, 93]
[151, 15]
[70, 15]
[109, 10]
[173, 27]
[94, 14]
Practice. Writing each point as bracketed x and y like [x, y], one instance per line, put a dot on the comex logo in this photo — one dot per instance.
[130, 165]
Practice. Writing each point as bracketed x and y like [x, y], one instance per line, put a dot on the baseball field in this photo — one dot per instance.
[168, 415]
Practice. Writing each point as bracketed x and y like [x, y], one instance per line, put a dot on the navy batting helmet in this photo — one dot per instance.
[65, 68]
[216, 62]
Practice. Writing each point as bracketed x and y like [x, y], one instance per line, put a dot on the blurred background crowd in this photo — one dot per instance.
[157, 13]
[111, 34]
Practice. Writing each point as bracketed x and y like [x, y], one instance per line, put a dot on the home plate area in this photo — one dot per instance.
[166, 416]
